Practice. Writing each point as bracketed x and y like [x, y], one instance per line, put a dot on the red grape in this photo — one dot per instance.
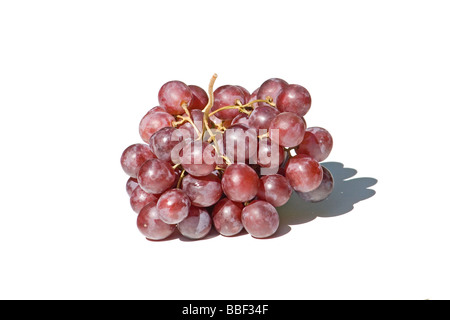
[173, 95]
[241, 118]
[151, 226]
[163, 141]
[270, 89]
[240, 182]
[260, 219]
[203, 191]
[262, 117]
[156, 176]
[322, 191]
[270, 155]
[134, 157]
[173, 206]
[294, 98]
[139, 199]
[227, 96]
[197, 118]
[246, 94]
[198, 158]
[199, 99]
[274, 189]
[317, 143]
[291, 129]
[304, 173]
[197, 224]
[152, 122]
[226, 217]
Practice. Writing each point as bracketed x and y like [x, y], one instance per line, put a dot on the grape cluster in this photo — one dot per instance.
[224, 159]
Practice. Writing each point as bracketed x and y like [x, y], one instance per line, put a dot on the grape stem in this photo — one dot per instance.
[181, 178]
[207, 111]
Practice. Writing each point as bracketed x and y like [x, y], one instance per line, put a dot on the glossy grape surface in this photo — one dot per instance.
[226, 217]
[134, 157]
[197, 224]
[294, 98]
[139, 199]
[270, 88]
[303, 173]
[290, 129]
[152, 122]
[274, 189]
[227, 96]
[203, 191]
[260, 219]
[317, 143]
[173, 95]
[240, 182]
[322, 191]
[156, 176]
[173, 206]
[151, 226]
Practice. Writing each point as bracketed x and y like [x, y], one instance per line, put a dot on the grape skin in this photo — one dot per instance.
[197, 224]
[163, 141]
[317, 143]
[294, 98]
[173, 95]
[156, 176]
[151, 226]
[303, 173]
[240, 182]
[227, 96]
[226, 217]
[203, 191]
[260, 219]
[199, 99]
[152, 122]
[274, 189]
[322, 191]
[290, 129]
[270, 88]
[173, 206]
[131, 185]
[139, 199]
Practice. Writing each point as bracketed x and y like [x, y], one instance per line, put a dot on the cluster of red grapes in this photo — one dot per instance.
[226, 158]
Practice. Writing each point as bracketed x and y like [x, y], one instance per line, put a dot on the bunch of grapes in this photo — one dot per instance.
[224, 159]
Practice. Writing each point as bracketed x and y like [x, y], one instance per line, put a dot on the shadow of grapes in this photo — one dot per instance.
[346, 193]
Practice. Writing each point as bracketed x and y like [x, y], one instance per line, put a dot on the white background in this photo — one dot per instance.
[77, 76]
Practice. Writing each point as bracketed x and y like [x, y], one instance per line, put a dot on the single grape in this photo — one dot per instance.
[262, 117]
[139, 199]
[151, 226]
[173, 206]
[239, 143]
[203, 191]
[304, 173]
[240, 182]
[270, 89]
[198, 158]
[226, 217]
[322, 191]
[152, 122]
[227, 96]
[197, 224]
[131, 185]
[274, 189]
[173, 95]
[287, 129]
[270, 155]
[163, 141]
[260, 219]
[156, 176]
[317, 143]
[199, 99]
[134, 157]
[294, 98]
[254, 96]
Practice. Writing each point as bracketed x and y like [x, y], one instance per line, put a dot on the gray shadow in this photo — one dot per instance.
[346, 193]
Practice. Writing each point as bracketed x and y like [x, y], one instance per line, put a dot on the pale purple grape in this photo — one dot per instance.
[134, 157]
[227, 96]
[151, 226]
[262, 116]
[173, 206]
[245, 93]
[198, 158]
[294, 98]
[203, 191]
[322, 191]
[199, 99]
[317, 143]
[241, 118]
[226, 217]
[139, 199]
[163, 141]
[131, 185]
[156, 176]
[303, 173]
[152, 122]
[173, 95]
[197, 224]
[270, 89]
[260, 219]
[274, 189]
[290, 129]
[240, 182]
